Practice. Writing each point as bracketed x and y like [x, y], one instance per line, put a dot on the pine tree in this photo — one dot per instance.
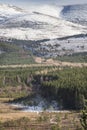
[83, 119]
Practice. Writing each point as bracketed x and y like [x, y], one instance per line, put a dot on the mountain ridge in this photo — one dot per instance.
[63, 35]
[31, 26]
[75, 13]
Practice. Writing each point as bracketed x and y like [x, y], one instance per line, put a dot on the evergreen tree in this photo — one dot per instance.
[83, 119]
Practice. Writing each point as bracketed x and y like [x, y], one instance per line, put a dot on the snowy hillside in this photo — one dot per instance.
[75, 13]
[35, 25]
[46, 23]
[8, 11]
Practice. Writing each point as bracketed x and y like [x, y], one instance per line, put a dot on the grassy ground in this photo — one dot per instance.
[11, 118]
[15, 54]
[79, 57]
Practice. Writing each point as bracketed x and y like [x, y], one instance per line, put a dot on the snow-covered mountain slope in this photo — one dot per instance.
[18, 24]
[8, 11]
[75, 13]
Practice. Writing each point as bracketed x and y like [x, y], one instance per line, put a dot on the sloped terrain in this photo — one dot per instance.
[35, 25]
[14, 54]
[75, 13]
[62, 32]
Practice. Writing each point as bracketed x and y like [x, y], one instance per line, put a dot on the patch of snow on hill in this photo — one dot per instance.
[47, 10]
[8, 9]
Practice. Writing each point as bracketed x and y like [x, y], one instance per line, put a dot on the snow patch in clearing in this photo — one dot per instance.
[39, 104]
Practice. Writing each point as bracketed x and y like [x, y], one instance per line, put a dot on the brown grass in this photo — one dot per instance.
[49, 62]
[63, 120]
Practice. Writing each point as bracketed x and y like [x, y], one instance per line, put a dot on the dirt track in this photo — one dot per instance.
[41, 62]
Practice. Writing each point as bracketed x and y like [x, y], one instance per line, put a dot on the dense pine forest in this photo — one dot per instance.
[68, 87]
